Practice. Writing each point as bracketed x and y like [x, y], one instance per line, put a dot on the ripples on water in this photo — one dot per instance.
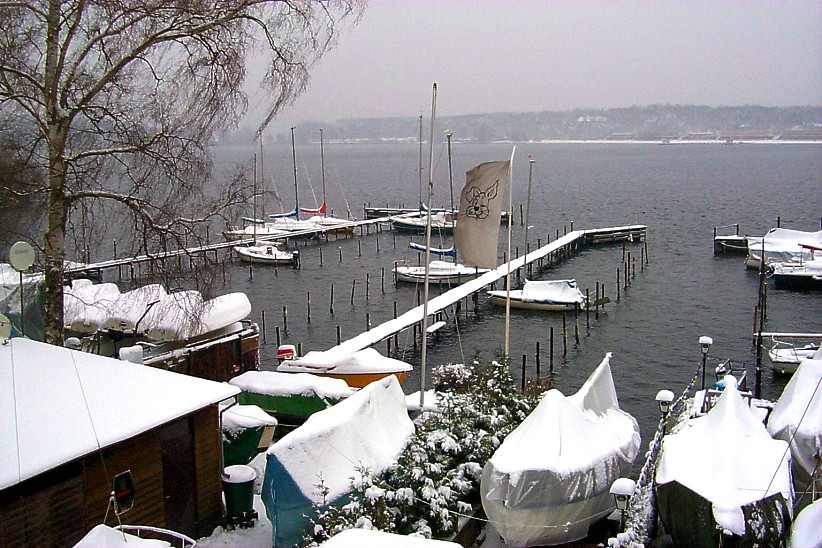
[680, 192]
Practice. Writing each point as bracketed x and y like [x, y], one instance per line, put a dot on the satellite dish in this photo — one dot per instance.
[5, 327]
[21, 256]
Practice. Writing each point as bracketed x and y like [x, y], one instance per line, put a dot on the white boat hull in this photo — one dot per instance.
[449, 273]
[261, 255]
[499, 298]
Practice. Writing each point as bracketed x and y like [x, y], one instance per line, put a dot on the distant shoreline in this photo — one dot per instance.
[581, 142]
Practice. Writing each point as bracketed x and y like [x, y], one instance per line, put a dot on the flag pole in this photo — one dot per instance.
[427, 247]
[508, 273]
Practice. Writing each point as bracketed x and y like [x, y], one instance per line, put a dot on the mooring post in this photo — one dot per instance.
[262, 321]
[331, 300]
[308, 305]
[779, 221]
[367, 321]
[551, 350]
[642, 258]
[353, 285]
[596, 303]
[250, 272]
[587, 310]
[321, 256]
[382, 280]
[396, 340]
[633, 267]
[394, 272]
[359, 248]
[277, 334]
[338, 334]
[576, 323]
[623, 251]
[523, 371]
[564, 336]
[367, 284]
[377, 237]
[299, 349]
[394, 237]
[285, 319]
[618, 284]
[645, 245]
[572, 225]
[536, 357]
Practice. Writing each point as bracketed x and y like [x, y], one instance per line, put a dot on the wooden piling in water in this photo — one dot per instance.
[359, 248]
[367, 321]
[596, 303]
[587, 310]
[285, 319]
[524, 357]
[277, 334]
[339, 337]
[353, 286]
[551, 350]
[564, 336]
[331, 300]
[367, 284]
[536, 357]
[262, 321]
[321, 256]
[308, 306]
[618, 288]
[576, 324]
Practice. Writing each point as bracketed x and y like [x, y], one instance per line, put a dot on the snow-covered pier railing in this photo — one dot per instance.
[640, 517]
[571, 240]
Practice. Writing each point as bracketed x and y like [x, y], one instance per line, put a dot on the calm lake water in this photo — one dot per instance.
[679, 191]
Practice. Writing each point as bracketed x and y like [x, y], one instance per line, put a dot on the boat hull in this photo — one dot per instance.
[261, 258]
[361, 380]
[499, 298]
[294, 405]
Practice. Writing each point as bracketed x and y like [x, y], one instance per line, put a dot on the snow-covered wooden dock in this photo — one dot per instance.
[571, 240]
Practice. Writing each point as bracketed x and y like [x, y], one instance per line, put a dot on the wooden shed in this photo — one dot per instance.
[72, 421]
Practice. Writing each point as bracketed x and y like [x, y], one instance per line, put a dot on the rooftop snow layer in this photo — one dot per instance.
[728, 458]
[240, 417]
[273, 383]
[57, 404]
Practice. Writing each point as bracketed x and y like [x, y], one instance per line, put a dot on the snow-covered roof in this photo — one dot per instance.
[728, 458]
[370, 538]
[57, 404]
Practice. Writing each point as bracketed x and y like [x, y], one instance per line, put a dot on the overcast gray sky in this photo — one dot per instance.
[494, 56]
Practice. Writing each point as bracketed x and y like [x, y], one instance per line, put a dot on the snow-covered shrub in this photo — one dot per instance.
[436, 477]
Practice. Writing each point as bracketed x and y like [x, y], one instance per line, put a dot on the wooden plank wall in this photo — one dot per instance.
[143, 457]
[207, 448]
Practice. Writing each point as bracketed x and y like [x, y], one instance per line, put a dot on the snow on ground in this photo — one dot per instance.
[258, 536]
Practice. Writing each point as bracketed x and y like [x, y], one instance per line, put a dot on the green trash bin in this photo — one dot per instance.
[238, 488]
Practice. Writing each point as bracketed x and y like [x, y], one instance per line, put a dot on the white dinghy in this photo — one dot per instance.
[785, 357]
[439, 272]
[550, 478]
[267, 253]
[550, 295]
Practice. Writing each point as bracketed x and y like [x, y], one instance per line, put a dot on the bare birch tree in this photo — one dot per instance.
[119, 99]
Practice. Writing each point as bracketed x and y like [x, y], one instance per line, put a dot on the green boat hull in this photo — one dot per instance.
[240, 448]
[295, 406]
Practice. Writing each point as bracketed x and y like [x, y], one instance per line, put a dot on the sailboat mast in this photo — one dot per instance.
[451, 186]
[507, 354]
[427, 247]
[419, 169]
[322, 170]
[262, 179]
[254, 207]
[294, 161]
[528, 202]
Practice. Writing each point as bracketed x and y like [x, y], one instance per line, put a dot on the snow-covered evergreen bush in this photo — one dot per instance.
[436, 477]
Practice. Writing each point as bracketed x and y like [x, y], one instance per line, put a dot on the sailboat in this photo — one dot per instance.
[319, 215]
[290, 221]
[265, 252]
[547, 295]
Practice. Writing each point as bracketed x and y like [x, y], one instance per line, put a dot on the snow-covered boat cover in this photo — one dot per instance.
[182, 315]
[550, 478]
[806, 531]
[368, 429]
[240, 417]
[552, 291]
[45, 391]
[329, 361]
[273, 383]
[782, 244]
[727, 458]
[802, 396]
[371, 538]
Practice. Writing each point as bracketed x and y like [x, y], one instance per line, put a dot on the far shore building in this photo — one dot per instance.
[72, 421]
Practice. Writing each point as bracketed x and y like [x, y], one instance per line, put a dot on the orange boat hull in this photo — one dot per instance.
[360, 380]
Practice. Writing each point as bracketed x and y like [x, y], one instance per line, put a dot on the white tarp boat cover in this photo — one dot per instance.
[728, 458]
[368, 429]
[550, 478]
[329, 361]
[273, 383]
[802, 396]
[175, 316]
[552, 291]
[806, 531]
[130, 307]
[371, 538]
[782, 245]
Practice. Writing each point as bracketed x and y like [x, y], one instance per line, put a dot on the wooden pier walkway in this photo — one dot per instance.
[363, 225]
[571, 240]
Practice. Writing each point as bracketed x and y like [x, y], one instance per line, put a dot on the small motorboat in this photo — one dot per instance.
[785, 357]
[441, 222]
[782, 245]
[549, 295]
[439, 272]
[803, 275]
[267, 253]
[551, 477]
[357, 369]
